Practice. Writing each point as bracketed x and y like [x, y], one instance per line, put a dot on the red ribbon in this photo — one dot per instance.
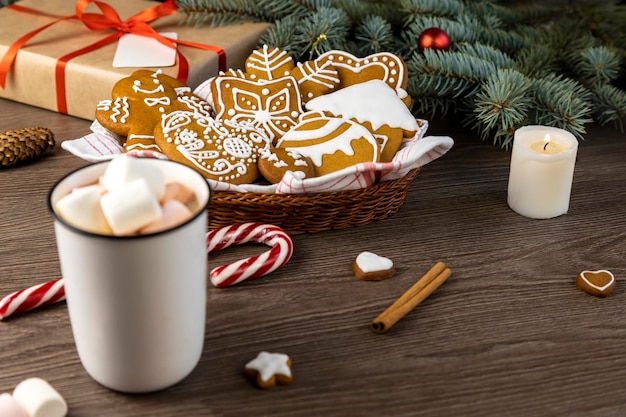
[107, 20]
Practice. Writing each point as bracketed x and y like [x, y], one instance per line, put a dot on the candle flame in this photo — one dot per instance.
[546, 141]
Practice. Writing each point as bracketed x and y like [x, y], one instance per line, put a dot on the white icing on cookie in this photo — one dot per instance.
[182, 90]
[104, 105]
[382, 61]
[224, 149]
[597, 287]
[341, 141]
[372, 101]
[153, 101]
[120, 107]
[323, 75]
[273, 106]
[270, 364]
[137, 88]
[269, 62]
[370, 262]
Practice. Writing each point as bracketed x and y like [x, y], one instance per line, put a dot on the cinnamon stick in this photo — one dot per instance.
[411, 298]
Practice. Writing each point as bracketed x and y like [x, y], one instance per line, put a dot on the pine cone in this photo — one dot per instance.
[23, 144]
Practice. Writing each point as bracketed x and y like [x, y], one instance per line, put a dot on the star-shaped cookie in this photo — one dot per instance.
[269, 369]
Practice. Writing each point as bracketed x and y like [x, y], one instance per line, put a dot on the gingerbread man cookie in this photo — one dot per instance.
[139, 101]
[269, 369]
[222, 150]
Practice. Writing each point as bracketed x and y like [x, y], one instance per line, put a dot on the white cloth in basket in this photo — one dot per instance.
[415, 152]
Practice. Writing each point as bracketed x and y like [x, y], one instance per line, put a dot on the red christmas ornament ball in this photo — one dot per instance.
[433, 38]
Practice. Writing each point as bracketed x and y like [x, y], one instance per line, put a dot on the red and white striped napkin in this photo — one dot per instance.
[415, 152]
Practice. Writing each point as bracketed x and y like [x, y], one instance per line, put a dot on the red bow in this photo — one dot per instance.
[108, 19]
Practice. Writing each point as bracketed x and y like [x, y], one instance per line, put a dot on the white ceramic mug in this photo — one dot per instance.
[137, 304]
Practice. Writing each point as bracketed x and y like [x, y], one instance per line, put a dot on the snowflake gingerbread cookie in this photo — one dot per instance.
[272, 105]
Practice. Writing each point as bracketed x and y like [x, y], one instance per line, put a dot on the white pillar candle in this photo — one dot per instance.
[542, 169]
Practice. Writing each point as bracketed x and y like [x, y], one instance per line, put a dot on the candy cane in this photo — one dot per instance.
[33, 297]
[222, 276]
[255, 266]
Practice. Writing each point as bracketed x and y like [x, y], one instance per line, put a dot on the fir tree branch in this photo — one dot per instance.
[506, 66]
[219, 12]
[452, 74]
[416, 9]
[374, 35]
[562, 102]
[597, 65]
[323, 31]
[609, 104]
[502, 105]
[281, 35]
[537, 61]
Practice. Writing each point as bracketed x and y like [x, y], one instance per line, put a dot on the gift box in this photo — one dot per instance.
[89, 78]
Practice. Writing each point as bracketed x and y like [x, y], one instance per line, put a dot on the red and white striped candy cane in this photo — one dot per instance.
[222, 276]
[255, 266]
[39, 295]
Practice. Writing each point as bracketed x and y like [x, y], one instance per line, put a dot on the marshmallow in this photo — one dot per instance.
[9, 407]
[39, 399]
[124, 169]
[130, 207]
[173, 212]
[81, 208]
[177, 191]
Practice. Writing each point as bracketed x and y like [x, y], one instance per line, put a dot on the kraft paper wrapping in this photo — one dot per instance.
[90, 77]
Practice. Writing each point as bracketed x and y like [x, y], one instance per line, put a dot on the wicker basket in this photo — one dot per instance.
[314, 212]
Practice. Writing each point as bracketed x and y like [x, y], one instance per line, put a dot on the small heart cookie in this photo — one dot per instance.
[369, 266]
[383, 66]
[599, 283]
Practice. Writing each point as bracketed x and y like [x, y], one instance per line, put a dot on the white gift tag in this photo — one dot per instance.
[141, 51]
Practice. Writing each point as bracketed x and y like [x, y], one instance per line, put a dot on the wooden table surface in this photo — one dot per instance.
[509, 334]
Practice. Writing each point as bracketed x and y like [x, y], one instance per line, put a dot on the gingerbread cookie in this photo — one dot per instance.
[315, 79]
[220, 150]
[332, 143]
[273, 105]
[275, 162]
[599, 283]
[268, 64]
[374, 105]
[139, 101]
[382, 66]
[371, 267]
[269, 369]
